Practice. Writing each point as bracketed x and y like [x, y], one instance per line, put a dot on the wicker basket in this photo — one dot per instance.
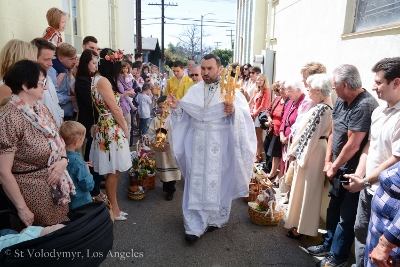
[252, 196]
[149, 182]
[136, 196]
[262, 218]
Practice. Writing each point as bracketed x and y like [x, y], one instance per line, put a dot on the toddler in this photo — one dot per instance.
[57, 20]
[73, 134]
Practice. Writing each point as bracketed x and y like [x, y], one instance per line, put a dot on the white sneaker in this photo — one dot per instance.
[120, 218]
[122, 213]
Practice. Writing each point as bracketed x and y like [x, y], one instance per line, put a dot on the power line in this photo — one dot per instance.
[171, 23]
[162, 29]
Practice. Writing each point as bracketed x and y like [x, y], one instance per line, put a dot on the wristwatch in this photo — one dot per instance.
[366, 183]
[64, 157]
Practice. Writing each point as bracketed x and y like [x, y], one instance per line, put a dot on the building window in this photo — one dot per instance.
[372, 14]
[111, 18]
[72, 31]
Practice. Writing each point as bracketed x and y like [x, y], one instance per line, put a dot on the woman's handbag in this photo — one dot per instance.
[263, 118]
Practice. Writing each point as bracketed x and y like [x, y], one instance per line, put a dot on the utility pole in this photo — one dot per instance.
[217, 43]
[231, 35]
[162, 30]
[139, 26]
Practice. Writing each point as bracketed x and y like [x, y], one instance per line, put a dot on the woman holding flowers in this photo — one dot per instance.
[109, 153]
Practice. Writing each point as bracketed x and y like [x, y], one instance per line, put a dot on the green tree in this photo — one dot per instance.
[155, 55]
[225, 55]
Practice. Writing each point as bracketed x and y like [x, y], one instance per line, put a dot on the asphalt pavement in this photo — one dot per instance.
[153, 235]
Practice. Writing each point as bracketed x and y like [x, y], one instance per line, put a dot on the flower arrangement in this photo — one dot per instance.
[142, 166]
[115, 56]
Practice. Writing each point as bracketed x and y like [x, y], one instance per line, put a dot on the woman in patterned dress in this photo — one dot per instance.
[109, 153]
[32, 154]
[309, 148]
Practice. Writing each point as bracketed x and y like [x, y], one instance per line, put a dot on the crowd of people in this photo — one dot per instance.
[66, 123]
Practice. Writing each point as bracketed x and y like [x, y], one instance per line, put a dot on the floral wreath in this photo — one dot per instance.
[115, 56]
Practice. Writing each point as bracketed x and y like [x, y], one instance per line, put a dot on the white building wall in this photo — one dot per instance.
[126, 26]
[95, 21]
[251, 28]
[311, 30]
[24, 19]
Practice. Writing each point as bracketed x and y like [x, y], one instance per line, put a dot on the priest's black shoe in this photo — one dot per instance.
[211, 228]
[191, 238]
[169, 196]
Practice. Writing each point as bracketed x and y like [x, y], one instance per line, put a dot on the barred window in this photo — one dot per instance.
[376, 13]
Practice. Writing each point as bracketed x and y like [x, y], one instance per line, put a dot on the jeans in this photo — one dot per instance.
[340, 218]
[144, 125]
[361, 226]
[97, 178]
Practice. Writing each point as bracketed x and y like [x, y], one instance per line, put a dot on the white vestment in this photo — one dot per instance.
[215, 154]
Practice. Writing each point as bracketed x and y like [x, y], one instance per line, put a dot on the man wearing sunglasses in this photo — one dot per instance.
[195, 74]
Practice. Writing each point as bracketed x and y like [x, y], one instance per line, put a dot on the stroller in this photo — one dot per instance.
[85, 240]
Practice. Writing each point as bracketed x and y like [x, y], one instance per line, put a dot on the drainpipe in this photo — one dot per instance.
[269, 16]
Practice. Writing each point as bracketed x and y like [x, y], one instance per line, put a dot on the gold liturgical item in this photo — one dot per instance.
[228, 86]
[161, 132]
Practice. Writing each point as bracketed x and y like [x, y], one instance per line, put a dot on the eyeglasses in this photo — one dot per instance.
[245, 68]
[252, 72]
[43, 83]
[195, 74]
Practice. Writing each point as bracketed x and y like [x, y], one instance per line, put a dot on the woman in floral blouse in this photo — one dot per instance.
[109, 153]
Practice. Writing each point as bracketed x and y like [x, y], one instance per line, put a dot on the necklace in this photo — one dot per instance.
[205, 91]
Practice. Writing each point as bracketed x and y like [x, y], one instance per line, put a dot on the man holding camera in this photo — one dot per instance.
[351, 125]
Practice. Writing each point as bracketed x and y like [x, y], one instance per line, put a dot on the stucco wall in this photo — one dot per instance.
[310, 30]
[24, 19]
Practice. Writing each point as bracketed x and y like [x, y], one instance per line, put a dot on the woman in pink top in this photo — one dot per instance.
[261, 101]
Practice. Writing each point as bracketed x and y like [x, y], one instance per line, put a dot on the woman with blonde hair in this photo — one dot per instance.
[13, 51]
[259, 102]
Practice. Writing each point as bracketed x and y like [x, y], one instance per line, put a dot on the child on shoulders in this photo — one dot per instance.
[73, 134]
[57, 20]
[166, 166]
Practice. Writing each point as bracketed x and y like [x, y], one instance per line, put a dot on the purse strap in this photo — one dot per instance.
[93, 106]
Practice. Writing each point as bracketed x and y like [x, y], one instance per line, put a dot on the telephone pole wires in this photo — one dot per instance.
[163, 5]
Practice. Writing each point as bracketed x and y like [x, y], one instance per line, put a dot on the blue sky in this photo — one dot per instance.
[190, 12]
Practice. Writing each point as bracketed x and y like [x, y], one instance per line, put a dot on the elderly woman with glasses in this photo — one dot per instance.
[308, 149]
[32, 154]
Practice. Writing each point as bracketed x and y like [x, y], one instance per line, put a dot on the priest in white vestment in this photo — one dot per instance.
[215, 144]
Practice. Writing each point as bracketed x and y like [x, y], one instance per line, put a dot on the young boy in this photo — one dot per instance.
[144, 108]
[73, 134]
[176, 84]
[166, 167]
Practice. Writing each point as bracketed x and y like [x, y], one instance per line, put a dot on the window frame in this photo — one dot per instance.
[350, 19]
[73, 22]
